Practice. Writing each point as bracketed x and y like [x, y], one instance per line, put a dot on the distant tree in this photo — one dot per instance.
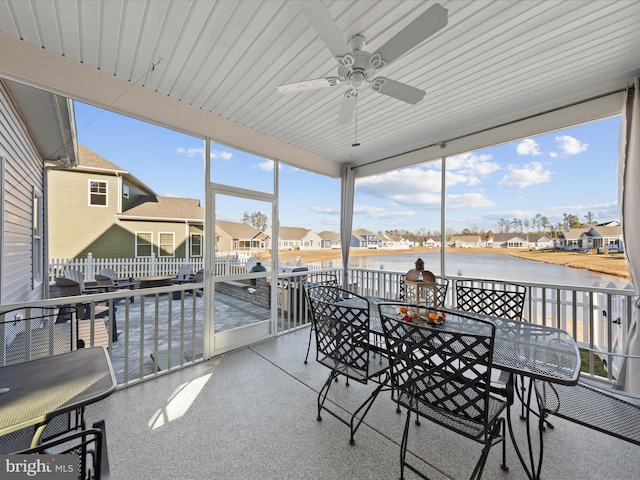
[256, 220]
[590, 217]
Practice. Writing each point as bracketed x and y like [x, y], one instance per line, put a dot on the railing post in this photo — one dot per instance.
[89, 274]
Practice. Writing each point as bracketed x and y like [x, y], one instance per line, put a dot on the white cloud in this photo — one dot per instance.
[223, 155]
[525, 176]
[472, 164]
[266, 165]
[468, 200]
[570, 145]
[528, 146]
[191, 152]
[327, 210]
[553, 154]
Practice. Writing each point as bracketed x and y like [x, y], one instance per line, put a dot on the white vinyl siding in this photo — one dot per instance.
[144, 244]
[166, 244]
[196, 245]
[23, 175]
[98, 193]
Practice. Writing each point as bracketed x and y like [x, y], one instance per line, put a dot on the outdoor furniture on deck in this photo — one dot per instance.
[499, 299]
[28, 334]
[107, 285]
[313, 280]
[92, 333]
[89, 445]
[599, 407]
[129, 283]
[155, 281]
[443, 373]
[535, 352]
[185, 274]
[342, 337]
[37, 391]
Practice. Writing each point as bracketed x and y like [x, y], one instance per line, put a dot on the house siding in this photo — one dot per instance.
[75, 227]
[23, 176]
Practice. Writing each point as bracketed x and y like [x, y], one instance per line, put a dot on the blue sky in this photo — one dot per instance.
[570, 171]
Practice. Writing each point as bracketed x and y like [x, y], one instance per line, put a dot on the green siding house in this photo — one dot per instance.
[97, 207]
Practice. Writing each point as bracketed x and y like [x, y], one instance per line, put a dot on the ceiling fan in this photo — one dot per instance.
[357, 66]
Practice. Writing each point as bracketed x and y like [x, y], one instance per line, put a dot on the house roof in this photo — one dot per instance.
[505, 237]
[292, 233]
[329, 235]
[465, 238]
[240, 231]
[88, 160]
[170, 208]
[50, 120]
[361, 232]
[574, 233]
[612, 231]
[212, 69]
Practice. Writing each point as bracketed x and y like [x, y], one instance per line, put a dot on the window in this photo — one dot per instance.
[144, 246]
[36, 263]
[166, 244]
[97, 193]
[125, 191]
[196, 244]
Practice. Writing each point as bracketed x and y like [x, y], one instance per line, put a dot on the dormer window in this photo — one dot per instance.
[125, 191]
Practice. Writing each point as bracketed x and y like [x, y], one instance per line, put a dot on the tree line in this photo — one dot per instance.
[537, 225]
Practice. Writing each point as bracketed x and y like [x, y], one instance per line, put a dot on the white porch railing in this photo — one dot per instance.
[144, 266]
[171, 319]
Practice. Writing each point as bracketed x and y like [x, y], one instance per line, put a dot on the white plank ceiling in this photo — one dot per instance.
[494, 62]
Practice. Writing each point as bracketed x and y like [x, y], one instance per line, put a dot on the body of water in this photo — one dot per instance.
[490, 266]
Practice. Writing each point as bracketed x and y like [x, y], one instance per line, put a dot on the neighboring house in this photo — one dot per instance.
[573, 239]
[600, 236]
[606, 236]
[432, 242]
[509, 240]
[297, 238]
[97, 207]
[362, 238]
[394, 241]
[37, 131]
[466, 241]
[239, 237]
[330, 239]
[540, 242]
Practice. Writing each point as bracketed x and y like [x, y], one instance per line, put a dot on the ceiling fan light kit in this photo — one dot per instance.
[357, 67]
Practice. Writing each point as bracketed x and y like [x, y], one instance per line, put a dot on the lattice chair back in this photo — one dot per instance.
[87, 446]
[442, 287]
[31, 333]
[320, 278]
[342, 331]
[327, 292]
[317, 279]
[499, 299]
[442, 373]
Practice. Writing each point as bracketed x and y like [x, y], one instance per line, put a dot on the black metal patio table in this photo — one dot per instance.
[34, 392]
[537, 352]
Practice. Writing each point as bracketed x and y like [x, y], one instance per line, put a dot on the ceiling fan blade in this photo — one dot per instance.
[427, 24]
[398, 90]
[347, 107]
[319, 18]
[309, 85]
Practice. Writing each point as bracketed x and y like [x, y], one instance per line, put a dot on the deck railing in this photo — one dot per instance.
[163, 328]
